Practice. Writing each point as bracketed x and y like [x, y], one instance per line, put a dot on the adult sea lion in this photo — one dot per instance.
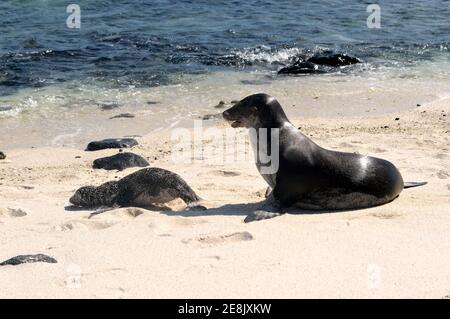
[309, 176]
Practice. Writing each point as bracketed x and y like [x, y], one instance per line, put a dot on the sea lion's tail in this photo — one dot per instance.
[413, 184]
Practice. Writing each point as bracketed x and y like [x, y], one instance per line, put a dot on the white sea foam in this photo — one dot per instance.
[268, 55]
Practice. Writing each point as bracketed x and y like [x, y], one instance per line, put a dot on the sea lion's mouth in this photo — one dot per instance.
[74, 200]
[236, 124]
[230, 118]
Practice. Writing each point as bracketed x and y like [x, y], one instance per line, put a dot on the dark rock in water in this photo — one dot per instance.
[5, 108]
[2, 155]
[152, 102]
[302, 68]
[30, 43]
[319, 64]
[25, 259]
[108, 105]
[111, 143]
[334, 60]
[123, 115]
[120, 161]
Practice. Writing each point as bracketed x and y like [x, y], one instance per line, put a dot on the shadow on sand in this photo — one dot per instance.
[224, 210]
[245, 209]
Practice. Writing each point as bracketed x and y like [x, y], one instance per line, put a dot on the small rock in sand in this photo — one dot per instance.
[123, 115]
[120, 161]
[2, 155]
[111, 143]
[26, 259]
[211, 116]
[220, 105]
[108, 105]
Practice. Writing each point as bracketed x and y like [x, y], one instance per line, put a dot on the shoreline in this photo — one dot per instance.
[80, 118]
[397, 250]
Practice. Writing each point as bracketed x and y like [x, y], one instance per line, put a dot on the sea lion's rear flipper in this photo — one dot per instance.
[260, 215]
[413, 184]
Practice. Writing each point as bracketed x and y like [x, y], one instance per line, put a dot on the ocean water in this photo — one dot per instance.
[131, 53]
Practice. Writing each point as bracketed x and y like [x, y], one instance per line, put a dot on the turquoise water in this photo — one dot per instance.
[123, 43]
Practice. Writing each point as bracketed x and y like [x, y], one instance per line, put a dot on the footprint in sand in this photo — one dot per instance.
[215, 257]
[204, 263]
[385, 215]
[346, 145]
[442, 174]
[441, 156]
[162, 235]
[377, 150]
[117, 214]
[84, 225]
[11, 213]
[226, 173]
[205, 241]
[188, 222]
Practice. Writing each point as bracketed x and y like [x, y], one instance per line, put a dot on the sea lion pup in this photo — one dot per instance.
[309, 176]
[143, 188]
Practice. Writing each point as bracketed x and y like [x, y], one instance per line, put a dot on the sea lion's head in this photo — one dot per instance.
[256, 111]
[91, 196]
[84, 197]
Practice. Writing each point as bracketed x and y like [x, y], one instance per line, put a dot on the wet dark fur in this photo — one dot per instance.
[310, 176]
[142, 188]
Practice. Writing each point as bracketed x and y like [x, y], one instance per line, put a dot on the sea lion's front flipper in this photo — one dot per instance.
[268, 192]
[260, 215]
[102, 210]
[196, 206]
[270, 209]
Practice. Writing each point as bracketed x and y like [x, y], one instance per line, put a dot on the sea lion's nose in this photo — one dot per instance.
[226, 115]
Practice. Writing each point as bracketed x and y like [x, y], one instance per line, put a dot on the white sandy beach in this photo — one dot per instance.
[399, 250]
